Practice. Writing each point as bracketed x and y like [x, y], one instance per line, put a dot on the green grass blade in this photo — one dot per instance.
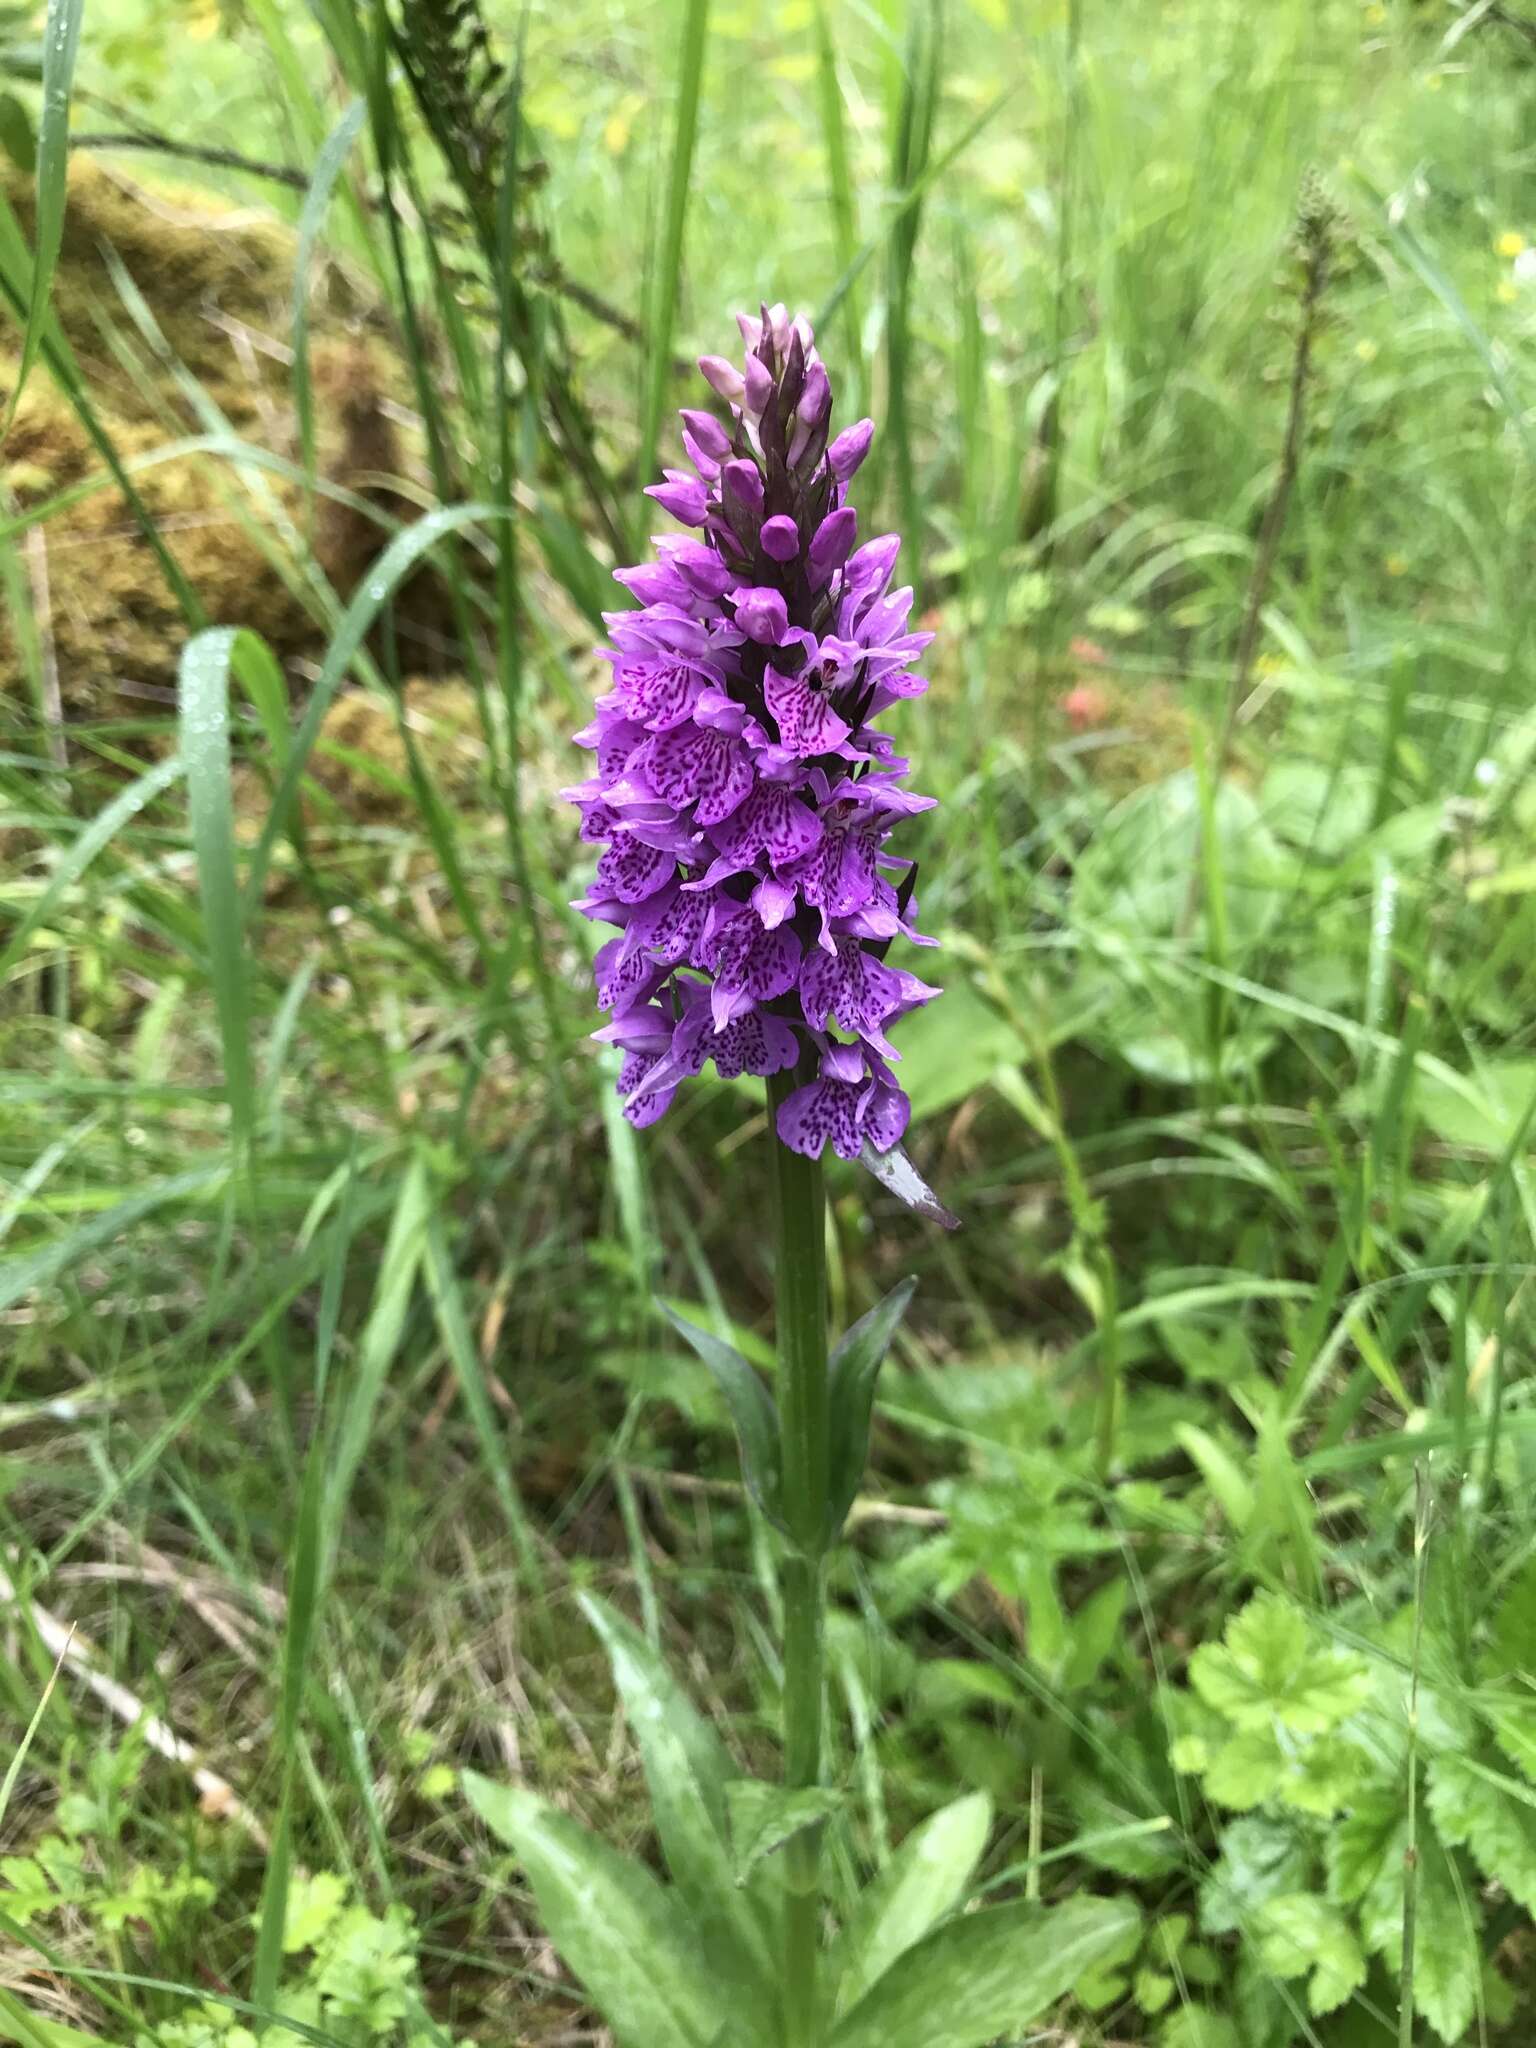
[19, 1754]
[334, 153]
[911, 150]
[453, 1327]
[398, 1268]
[30, 2030]
[61, 45]
[840, 189]
[509, 596]
[391, 569]
[127, 804]
[908, 201]
[203, 693]
[305, 1591]
[666, 271]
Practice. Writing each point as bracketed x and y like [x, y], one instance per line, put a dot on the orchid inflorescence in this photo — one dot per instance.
[743, 797]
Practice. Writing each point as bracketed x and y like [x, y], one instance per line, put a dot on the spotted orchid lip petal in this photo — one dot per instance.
[743, 793]
[805, 712]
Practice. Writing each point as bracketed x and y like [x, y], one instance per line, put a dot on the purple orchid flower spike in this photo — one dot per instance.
[743, 798]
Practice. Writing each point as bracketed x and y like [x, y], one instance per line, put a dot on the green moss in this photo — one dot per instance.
[219, 284]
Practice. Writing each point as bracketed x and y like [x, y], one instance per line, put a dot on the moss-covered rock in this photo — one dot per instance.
[218, 285]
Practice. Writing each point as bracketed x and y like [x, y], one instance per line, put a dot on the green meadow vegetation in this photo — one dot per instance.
[1195, 1568]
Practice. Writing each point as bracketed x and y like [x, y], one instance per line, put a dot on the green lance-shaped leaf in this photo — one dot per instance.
[854, 1366]
[986, 1973]
[94, 838]
[764, 1817]
[391, 569]
[18, 138]
[202, 690]
[752, 1411]
[61, 45]
[924, 1881]
[317, 200]
[31, 2030]
[626, 1938]
[687, 1769]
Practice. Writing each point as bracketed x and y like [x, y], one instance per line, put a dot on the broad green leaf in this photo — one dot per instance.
[1487, 1112]
[626, 1938]
[852, 1371]
[1197, 2026]
[1301, 1935]
[313, 1904]
[1151, 1989]
[1316, 1775]
[1447, 1954]
[1260, 1859]
[1267, 1669]
[1360, 1846]
[1245, 1771]
[985, 1973]
[1447, 1957]
[751, 1406]
[25, 1889]
[945, 1060]
[1133, 876]
[687, 1770]
[925, 1880]
[1166, 1938]
[1472, 1809]
[762, 1818]
[1508, 1669]
[1323, 810]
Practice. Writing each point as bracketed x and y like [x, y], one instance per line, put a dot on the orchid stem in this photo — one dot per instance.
[802, 1334]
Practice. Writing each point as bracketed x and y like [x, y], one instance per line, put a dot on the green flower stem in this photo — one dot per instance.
[802, 1335]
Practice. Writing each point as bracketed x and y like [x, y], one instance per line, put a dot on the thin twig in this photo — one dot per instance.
[195, 153]
[214, 157]
[47, 652]
[863, 1509]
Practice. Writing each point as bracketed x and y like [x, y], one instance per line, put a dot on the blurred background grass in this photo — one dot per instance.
[329, 1361]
